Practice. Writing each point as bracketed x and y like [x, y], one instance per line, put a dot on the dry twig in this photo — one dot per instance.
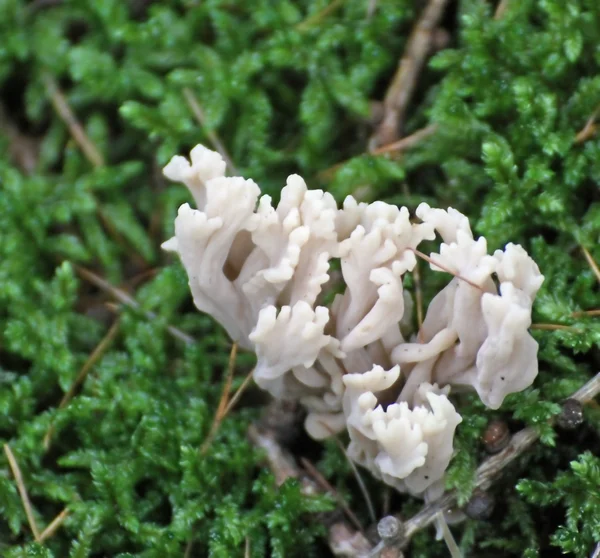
[591, 262]
[419, 301]
[555, 327]
[54, 525]
[361, 483]
[24, 150]
[89, 363]
[326, 486]
[396, 147]
[210, 133]
[501, 9]
[444, 268]
[589, 130]
[406, 142]
[60, 104]
[239, 392]
[403, 84]
[16, 471]
[127, 300]
[320, 15]
[582, 313]
[222, 407]
[343, 539]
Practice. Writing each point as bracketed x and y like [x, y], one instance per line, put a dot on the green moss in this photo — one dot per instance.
[287, 86]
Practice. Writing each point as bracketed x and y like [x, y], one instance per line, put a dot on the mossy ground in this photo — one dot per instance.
[288, 87]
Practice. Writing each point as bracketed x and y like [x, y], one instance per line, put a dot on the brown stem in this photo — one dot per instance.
[128, 300]
[16, 471]
[90, 362]
[54, 525]
[591, 262]
[211, 134]
[404, 81]
[343, 539]
[60, 104]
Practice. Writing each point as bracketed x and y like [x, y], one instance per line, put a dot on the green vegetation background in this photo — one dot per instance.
[288, 87]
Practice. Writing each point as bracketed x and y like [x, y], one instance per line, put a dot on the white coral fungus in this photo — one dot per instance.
[260, 271]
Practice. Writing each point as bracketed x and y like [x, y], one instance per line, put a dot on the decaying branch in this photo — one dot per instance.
[61, 106]
[404, 82]
[127, 300]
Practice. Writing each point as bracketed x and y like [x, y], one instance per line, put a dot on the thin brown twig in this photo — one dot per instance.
[326, 486]
[23, 149]
[320, 15]
[582, 313]
[591, 262]
[247, 548]
[128, 300]
[419, 300]
[406, 142]
[54, 525]
[221, 408]
[489, 469]
[361, 483]
[501, 9]
[444, 268]
[16, 471]
[85, 369]
[188, 549]
[555, 327]
[239, 392]
[210, 133]
[60, 104]
[404, 81]
[371, 7]
[343, 539]
[589, 130]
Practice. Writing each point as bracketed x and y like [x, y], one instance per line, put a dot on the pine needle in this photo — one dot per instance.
[128, 300]
[419, 300]
[444, 268]
[16, 471]
[325, 485]
[406, 142]
[555, 327]
[88, 365]
[357, 475]
[222, 407]
[211, 134]
[591, 262]
[238, 393]
[590, 128]
[582, 313]
[61, 106]
[54, 525]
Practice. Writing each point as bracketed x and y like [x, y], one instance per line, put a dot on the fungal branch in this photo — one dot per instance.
[354, 365]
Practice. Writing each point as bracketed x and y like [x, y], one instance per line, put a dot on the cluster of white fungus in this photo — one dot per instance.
[260, 271]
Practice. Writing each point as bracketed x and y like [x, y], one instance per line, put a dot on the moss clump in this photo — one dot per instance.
[288, 87]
